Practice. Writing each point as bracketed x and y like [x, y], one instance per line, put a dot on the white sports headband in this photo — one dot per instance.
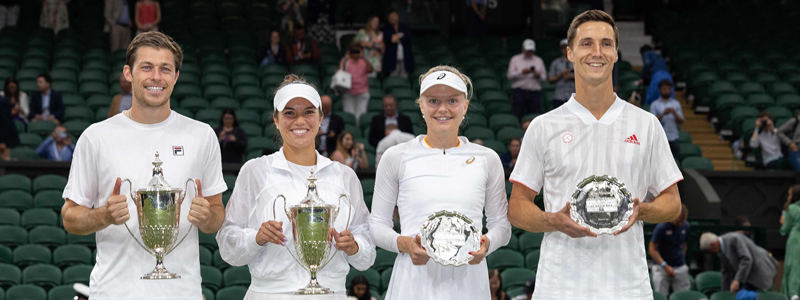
[296, 89]
[443, 77]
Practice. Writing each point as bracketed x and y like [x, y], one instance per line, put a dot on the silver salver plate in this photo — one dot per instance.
[449, 237]
[602, 204]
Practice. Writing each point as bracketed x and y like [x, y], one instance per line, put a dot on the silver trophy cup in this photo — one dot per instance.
[312, 221]
[158, 208]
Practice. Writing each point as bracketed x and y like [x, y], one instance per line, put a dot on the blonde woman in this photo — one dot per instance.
[371, 39]
[433, 172]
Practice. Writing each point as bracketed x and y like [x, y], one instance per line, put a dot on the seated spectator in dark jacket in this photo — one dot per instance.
[509, 159]
[58, 146]
[46, 104]
[332, 125]
[302, 49]
[390, 115]
[273, 53]
[398, 60]
[232, 139]
[9, 138]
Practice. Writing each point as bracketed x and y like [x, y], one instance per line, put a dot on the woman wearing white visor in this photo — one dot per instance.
[434, 172]
[251, 236]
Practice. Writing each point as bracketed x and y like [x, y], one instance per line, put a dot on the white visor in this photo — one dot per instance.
[293, 90]
[443, 77]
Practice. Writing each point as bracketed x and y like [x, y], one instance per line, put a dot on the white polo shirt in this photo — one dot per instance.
[567, 145]
[120, 147]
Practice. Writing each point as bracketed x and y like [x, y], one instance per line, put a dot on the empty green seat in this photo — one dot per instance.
[216, 68]
[723, 295]
[211, 277]
[93, 76]
[493, 96]
[13, 236]
[530, 241]
[486, 84]
[770, 295]
[759, 100]
[790, 101]
[208, 294]
[93, 88]
[194, 103]
[65, 87]
[247, 116]
[31, 254]
[384, 260]
[182, 91]
[405, 94]
[224, 102]
[73, 100]
[15, 182]
[307, 71]
[658, 296]
[232, 293]
[372, 276]
[684, 137]
[24, 153]
[248, 91]
[43, 128]
[214, 91]
[721, 87]
[738, 114]
[97, 101]
[251, 130]
[697, 163]
[61, 292]
[9, 275]
[475, 119]
[258, 105]
[498, 121]
[237, 276]
[689, 150]
[26, 292]
[6, 256]
[77, 127]
[16, 199]
[49, 182]
[68, 255]
[214, 79]
[780, 88]
[208, 240]
[391, 83]
[478, 132]
[505, 134]
[708, 282]
[687, 295]
[218, 262]
[44, 275]
[505, 258]
[751, 87]
[48, 236]
[77, 274]
[86, 240]
[9, 216]
[516, 277]
[778, 112]
[30, 140]
[206, 256]
[78, 113]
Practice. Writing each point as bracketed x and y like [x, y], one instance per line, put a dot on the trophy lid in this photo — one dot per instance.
[157, 182]
[312, 198]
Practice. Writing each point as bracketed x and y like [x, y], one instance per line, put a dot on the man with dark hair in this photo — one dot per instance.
[332, 125]
[302, 49]
[46, 104]
[669, 112]
[390, 115]
[766, 136]
[668, 249]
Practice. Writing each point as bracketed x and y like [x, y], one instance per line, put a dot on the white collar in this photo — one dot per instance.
[280, 161]
[588, 118]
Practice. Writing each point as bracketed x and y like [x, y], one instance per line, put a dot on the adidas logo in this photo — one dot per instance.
[632, 139]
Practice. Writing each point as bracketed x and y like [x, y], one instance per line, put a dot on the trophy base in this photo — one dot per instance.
[313, 289]
[160, 274]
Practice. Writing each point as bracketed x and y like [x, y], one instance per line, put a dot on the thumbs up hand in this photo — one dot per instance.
[116, 207]
[201, 208]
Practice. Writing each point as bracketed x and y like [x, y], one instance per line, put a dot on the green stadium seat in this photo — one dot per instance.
[516, 277]
[251, 130]
[372, 276]
[258, 105]
[505, 134]
[77, 127]
[532, 259]
[513, 243]
[15, 182]
[224, 102]
[232, 293]
[792, 102]
[218, 262]
[77, 274]
[478, 132]
[93, 76]
[236, 276]
[530, 241]
[188, 78]
[697, 163]
[97, 101]
[248, 91]
[405, 94]
[194, 103]
[689, 150]
[86, 240]
[211, 277]
[77, 113]
[9, 216]
[778, 112]
[348, 117]
[487, 84]
[61, 292]
[687, 295]
[214, 79]
[182, 91]
[245, 69]
[6, 256]
[16, 199]
[708, 282]
[503, 259]
[391, 83]
[214, 91]
[10, 275]
[750, 87]
[493, 96]
[48, 236]
[44, 275]
[205, 256]
[26, 292]
[771, 295]
[721, 87]
[498, 121]
[93, 88]
[208, 240]
[739, 114]
[69, 255]
[780, 88]
[377, 94]
[208, 294]
[759, 100]
[65, 87]
[20, 126]
[24, 153]
[215, 68]
[240, 80]
[49, 182]
[495, 145]
[271, 82]
[247, 116]
[306, 71]
[30, 254]
[475, 119]
[684, 137]
[658, 296]
[30, 140]
[353, 129]
[384, 260]
[407, 106]
[13, 236]
[73, 100]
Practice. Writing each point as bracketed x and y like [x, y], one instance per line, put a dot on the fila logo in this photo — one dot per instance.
[441, 76]
[177, 150]
[632, 140]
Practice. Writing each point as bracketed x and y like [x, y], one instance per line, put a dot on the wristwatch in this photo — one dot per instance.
[664, 263]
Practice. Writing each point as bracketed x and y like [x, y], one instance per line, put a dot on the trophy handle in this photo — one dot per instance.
[275, 214]
[349, 210]
[134, 198]
[186, 190]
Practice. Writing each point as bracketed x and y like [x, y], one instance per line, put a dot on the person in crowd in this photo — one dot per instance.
[390, 115]
[744, 221]
[509, 158]
[17, 98]
[58, 146]
[118, 23]
[330, 129]
[525, 123]
[260, 240]
[54, 15]
[322, 19]
[394, 137]
[148, 15]
[496, 286]
[9, 137]
[291, 17]
[766, 136]
[653, 72]
[125, 146]
[232, 138]
[562, 74]
[746, 267]
[790, 225]
[9, 13]
[790, 137]
[398, 60]
[433, 172]
[526, 72]
[359, 289]
[356, 99]
[301, 49]
[46, 104]
[475, 19]
[122, 101]
[528, 289]
[371, 40]
[273, 53]
[350, 153]
[668, 248]
[669, 113]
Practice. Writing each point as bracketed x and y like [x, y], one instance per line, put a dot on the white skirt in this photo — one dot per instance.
[251, 295]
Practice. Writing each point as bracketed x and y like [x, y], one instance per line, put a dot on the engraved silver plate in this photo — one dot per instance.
[602, 204]
[449, 237]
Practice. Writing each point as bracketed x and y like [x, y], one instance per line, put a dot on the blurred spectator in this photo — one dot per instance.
[525, 123]
[746, 267]
[371, 39]
[398, 60]
[668, 248]
[475, 19]
[495, 286]
[562, 74]
[509, 158]
[790, 137]
[350, 153]
[322, 18]
[122, 101]
[477, 142]
[58, 146]
[54, 15]
[9, 12]
[118, 23]
[292, 19]
[393, 137]
[46, 104]
[766, 136]
[332, 125]
[529, 287]
[790, 225]
[302, 50]
[390, 115]
[273, 53]
[526, 72]
[232, 138]
[9, 138]
[669, 112]
[359, 289]
[653, 72]
[18, 99]
[148, 15]
[356, 99]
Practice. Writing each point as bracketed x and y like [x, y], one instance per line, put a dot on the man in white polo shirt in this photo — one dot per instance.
[594, 133]
[125, 146]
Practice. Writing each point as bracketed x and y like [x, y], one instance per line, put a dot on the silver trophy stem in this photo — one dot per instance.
[313, 287]
[160, 272]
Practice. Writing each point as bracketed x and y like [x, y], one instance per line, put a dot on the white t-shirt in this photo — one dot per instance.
[567, 145]
[120, 147]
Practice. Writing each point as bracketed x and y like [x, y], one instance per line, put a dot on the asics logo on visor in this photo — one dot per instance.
[441, 76]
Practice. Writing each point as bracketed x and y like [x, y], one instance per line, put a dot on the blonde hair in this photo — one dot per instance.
[464, 77]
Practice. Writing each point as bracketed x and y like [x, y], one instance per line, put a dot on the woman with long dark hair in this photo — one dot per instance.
[17, 98]
[232, 139]
[496, 286]
[350, 153]
[790, 225]
[359, 289]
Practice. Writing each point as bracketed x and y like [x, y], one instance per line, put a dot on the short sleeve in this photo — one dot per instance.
[212, 180]
[82, 183]
[529, 170]
[663, 171]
